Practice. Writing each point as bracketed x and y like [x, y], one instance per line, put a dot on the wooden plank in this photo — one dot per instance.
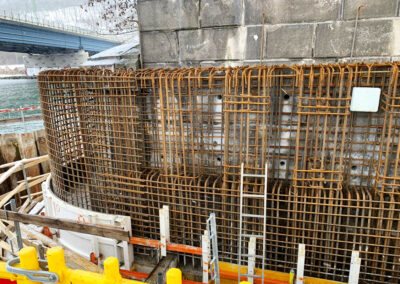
[27, 162]
[7, 231]
[9, 151]
[170, 261]
[6, 246]
[33, 204]
[68, 225]
[31, 166]
[41, 145]
[9, 172]
[72, 259]
[29, 150]
[33, 195]
[23, 207]
[6, 197]
[31, 178]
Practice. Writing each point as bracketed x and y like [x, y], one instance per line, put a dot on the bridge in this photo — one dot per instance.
[25, 37]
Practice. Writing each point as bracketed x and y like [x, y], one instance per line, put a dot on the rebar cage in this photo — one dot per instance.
[129, 142]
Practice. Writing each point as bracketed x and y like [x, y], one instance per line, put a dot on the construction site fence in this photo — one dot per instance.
[20, 112]
[131, 141]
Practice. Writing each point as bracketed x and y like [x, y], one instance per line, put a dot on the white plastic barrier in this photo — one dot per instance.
[85, 244]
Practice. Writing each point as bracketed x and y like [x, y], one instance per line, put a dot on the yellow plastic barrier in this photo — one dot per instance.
[174, 275]
[291, 277]
[56, 264]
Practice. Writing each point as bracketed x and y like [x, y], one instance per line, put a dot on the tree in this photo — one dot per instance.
[118, 14]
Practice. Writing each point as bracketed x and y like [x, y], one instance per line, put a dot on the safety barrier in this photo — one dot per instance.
[26, 269]
[19, 109]
[19, 114]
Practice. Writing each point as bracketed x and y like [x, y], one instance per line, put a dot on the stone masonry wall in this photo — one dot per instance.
[228, 32]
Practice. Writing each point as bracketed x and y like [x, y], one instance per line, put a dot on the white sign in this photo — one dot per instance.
[365, 99]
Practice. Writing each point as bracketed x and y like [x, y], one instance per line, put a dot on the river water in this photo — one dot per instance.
[15, 93]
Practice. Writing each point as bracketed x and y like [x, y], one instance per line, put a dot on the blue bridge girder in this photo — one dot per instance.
[29, 38]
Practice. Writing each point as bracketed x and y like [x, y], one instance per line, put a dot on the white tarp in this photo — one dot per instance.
[129, 48]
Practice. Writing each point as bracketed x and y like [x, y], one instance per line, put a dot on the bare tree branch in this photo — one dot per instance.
[118, 13]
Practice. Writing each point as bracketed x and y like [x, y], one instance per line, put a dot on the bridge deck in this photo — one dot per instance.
[28, 38]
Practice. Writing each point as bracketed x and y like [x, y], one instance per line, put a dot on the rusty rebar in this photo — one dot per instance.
[129, 142]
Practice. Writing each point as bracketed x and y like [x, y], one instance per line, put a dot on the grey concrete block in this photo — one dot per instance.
[253, 42]
[168, 14]
[207, 64]
[285, 61]
[190, 64]
[269, 62]
[291, 11]
[162, 65]
[290, 41]
[372, 59]
[211, 63]
[212, 44]
[220, 13]
[377, 38]
[373, 38]
[160, 47]
[372, 9]
[333, 39]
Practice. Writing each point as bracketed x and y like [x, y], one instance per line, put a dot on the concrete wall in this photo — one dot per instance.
[228, 32]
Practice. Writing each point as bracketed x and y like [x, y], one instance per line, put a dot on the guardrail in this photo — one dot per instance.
[9, 110]
[16, 113]
[19, 114]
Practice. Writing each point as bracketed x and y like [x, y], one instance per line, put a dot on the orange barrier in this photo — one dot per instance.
[19, 109]
[170, 246]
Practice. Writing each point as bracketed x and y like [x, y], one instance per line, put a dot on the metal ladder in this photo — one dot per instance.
[250, 274]
[214, 263]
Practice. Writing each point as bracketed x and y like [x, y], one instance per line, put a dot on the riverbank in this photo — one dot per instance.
[2, 77]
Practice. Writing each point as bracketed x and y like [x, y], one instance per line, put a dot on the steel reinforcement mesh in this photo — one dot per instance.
[130, 142]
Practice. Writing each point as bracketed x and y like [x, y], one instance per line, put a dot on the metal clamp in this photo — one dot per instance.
[33, 275]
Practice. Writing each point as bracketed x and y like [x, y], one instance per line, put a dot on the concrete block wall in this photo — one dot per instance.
[228, 32]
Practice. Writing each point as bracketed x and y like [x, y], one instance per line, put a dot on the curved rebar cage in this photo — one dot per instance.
[130, 142]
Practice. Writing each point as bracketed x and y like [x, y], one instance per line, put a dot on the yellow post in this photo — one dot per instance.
[111, 271]
[291, 276]
[244, 282]
[56, 263]
[174, 276]
[28, 259]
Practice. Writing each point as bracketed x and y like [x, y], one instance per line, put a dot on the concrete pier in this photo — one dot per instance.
[228, 32]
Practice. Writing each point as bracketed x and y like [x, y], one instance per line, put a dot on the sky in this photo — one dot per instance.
[63, 14]
[38, 5]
